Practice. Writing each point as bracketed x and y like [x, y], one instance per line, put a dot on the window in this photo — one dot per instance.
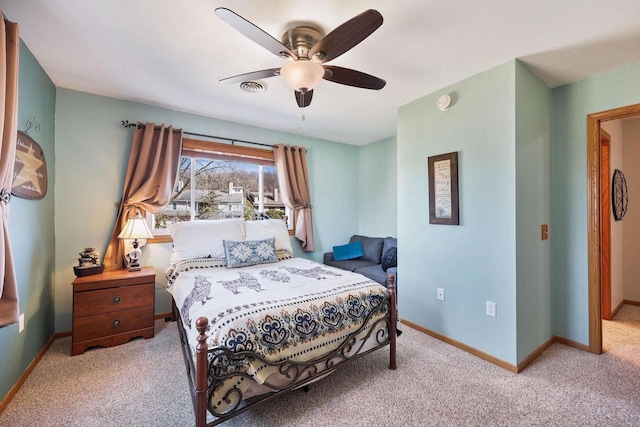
[217, 181]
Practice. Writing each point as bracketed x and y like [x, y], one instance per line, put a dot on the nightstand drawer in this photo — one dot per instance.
[117, 322]
[112, 299]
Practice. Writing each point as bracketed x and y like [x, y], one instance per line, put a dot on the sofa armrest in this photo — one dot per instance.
[328, 257]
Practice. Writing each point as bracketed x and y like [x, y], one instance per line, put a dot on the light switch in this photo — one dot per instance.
[545, 231]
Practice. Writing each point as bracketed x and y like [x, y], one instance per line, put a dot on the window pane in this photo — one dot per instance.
[223, 189]
[179, 208]
[273, 204]
[217, 196]
[289, 215]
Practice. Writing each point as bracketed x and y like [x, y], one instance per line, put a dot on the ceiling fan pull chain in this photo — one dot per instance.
[302, 117]
[301, 122]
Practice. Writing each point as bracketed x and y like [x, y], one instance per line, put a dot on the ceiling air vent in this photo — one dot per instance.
[253, 86]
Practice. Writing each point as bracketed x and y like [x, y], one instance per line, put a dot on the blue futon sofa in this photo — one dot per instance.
[373, 257]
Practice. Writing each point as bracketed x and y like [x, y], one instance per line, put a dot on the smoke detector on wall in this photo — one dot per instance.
[444, 102]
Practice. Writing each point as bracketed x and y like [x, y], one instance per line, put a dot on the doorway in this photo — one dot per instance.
[595, 220]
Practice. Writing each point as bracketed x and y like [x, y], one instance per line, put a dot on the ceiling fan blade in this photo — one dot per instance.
[347, 35]
[256, 75]
[304, 99]
[254, 33]
[349, 77]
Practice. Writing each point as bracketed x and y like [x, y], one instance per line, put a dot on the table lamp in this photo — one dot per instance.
[136, 228]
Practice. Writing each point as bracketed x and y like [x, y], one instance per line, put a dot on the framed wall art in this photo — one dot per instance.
[443, 189]
[30, 170]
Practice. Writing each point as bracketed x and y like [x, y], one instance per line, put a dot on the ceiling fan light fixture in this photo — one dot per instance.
[307, 48]
[302, 75]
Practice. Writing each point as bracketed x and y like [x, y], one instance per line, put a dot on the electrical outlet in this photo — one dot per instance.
[440, 294]
[21, 323]
[491, 309]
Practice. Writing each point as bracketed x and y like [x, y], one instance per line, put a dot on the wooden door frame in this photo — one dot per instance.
[593, 218]
[605, 223]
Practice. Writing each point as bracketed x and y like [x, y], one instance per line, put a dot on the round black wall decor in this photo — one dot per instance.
[619, 195]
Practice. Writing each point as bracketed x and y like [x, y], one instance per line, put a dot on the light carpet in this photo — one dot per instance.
[143, 383]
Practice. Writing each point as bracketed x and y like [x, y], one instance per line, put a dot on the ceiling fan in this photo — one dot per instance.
[307, 48]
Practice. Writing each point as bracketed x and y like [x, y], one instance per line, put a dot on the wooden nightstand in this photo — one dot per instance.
[113, 307]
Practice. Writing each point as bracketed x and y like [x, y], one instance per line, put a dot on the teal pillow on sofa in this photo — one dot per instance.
[348, 251]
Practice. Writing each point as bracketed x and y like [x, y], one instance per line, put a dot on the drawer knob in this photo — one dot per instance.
[116, 300]
[116, 323]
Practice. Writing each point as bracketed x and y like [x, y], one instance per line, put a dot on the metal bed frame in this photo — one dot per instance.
[213, 366]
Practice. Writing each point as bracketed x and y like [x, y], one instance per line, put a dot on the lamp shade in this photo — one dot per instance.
[136, 228]
[302, 75]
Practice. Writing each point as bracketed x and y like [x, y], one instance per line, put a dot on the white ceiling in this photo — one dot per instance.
[172, 53]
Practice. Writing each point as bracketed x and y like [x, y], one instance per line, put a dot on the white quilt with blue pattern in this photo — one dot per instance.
[294, 309]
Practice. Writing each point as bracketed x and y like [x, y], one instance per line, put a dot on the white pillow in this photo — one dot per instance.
[263, 229]
[203, 238]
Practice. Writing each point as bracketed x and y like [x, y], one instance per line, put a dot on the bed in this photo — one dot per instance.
[256, 322]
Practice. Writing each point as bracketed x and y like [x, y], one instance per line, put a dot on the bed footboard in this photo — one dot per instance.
[214, 366]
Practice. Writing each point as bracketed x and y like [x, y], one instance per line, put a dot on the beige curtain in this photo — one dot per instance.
[293, 180]
[9, 59]
[151, 175]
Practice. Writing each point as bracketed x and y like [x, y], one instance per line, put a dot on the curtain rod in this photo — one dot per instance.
[127, 124]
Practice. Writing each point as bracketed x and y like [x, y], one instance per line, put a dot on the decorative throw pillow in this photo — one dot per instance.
[249, 252]
[390, 258]
[262, 229]
[349, 251]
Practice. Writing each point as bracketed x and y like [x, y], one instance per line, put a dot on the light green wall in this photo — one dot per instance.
[544, 289]
[569, 263]
[92, 153]
[533, 193]
[31, 232]
[378, 189]
[475, 261]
